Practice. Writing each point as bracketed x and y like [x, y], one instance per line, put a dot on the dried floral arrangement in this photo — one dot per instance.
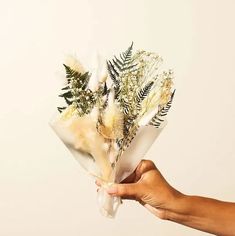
[104, 112]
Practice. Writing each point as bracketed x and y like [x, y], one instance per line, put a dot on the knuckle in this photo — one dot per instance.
[147, 164]
[151, 164]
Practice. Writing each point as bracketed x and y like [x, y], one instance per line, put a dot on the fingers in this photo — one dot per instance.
[144, 166]
[125, 191]
[98, 182]
[129, 188]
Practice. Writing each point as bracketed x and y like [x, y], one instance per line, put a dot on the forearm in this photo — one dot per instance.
[205, 214]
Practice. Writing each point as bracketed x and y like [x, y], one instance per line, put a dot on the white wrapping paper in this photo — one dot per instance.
[127, 163]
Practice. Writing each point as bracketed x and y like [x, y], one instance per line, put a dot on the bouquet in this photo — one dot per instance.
[112, 115]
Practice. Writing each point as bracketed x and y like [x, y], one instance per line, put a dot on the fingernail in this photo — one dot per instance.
[112, 189]
[98, 182]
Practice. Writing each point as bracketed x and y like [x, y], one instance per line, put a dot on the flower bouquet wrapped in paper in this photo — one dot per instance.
[112, 116]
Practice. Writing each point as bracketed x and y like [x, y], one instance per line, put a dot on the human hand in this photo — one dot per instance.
[147, 186]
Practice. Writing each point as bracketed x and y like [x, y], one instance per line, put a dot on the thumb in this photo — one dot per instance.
[126, 191]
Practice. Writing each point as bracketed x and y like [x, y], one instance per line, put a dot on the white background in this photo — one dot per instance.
[43, 190]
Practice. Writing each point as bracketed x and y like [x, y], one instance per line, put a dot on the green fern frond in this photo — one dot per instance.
[113, 74]
[156, 121]
[159, 117]
[80, 80]
[105, 89]
[76, 91]
[68, 101]
[70, 73]
[143, 93]
[164, 110]
[118, 65]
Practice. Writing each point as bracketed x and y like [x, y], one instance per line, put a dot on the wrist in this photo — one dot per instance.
[171, 209]
[176, 208]
[177, 202]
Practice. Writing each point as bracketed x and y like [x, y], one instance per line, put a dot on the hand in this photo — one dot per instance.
[147, 186]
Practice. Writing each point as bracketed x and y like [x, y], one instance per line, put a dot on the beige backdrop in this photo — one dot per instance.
[43, 191]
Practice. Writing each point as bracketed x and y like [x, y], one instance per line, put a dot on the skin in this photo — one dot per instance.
[147, 186]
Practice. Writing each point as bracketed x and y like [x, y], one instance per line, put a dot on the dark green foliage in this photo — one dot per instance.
[78, 79]
[143, 92]
[65, 88]
[133, 78]
[67, 94]
[157, 119]
[105, 89]
[76, 92]
[60, 109]
[117, 66]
